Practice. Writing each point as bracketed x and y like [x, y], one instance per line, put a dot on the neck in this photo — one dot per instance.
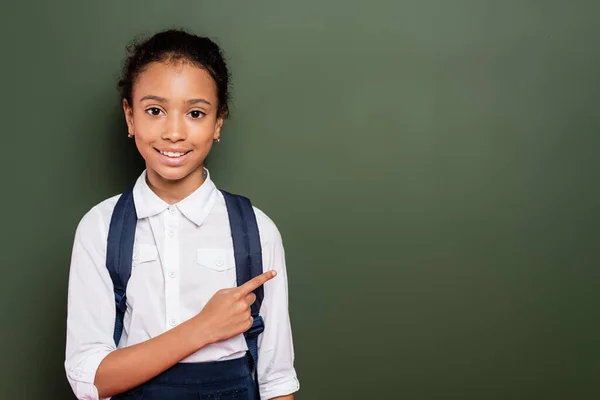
[173, 191]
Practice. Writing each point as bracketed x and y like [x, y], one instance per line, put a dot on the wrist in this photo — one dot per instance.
[199, 335]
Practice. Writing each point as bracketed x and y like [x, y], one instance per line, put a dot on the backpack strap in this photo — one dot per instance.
[248, 261]
[119, 252]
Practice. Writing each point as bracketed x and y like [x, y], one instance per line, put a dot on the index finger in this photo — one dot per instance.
[257, 282]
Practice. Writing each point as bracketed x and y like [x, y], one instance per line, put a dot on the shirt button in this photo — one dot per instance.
[173, 322]
[219, 262]
[135, 256]
[172, 210]
[172, 274]
[77, 373]
[171, 232]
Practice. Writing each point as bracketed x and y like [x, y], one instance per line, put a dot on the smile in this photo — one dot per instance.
[173, 154]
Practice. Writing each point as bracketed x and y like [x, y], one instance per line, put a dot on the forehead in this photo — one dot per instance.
[179, 80]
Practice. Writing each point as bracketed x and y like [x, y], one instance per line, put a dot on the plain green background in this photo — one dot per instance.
[431, 164]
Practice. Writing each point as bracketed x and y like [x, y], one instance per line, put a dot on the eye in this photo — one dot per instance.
[196, 114]
[154, 111]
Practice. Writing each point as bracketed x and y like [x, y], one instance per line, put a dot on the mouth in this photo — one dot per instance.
[173, 154]
[172, 158]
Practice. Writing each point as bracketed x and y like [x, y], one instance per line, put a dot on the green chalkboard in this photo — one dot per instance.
[432, 166]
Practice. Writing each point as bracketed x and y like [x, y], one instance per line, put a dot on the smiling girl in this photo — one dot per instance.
[183, 316]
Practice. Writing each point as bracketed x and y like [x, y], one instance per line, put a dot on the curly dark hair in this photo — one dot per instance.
[176, 45]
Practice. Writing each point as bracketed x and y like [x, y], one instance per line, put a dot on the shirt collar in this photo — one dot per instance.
[194, 207]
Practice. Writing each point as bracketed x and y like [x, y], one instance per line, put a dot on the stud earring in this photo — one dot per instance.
[218, 140]
[130, 136]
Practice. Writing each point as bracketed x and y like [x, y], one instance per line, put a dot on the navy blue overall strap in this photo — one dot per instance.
[119, 252]
[247, 253]
[248, 260]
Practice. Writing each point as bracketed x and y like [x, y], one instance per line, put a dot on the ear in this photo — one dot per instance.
[218, 127]
[128, 111]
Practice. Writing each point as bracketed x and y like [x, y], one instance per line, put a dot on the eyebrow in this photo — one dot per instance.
[163, 100]
[195, 101]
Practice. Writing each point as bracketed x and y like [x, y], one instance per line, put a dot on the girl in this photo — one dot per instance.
[184, 316]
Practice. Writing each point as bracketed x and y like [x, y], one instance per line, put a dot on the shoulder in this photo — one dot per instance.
[95, 222]
[269, 233]
[268, 230]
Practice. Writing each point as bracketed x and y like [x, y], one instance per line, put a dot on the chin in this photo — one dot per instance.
[172, 174]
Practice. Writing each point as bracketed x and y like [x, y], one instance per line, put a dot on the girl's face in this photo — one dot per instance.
[174, 119]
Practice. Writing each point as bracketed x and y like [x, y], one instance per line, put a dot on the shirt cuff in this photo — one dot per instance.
[83, 375]
[280, 387]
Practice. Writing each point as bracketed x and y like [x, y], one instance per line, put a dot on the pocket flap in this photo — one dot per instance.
[217, 259]
[144, 253]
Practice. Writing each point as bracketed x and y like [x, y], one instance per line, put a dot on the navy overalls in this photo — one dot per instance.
[220, 380]
[223, 380]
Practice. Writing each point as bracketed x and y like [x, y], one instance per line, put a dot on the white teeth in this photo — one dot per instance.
[171, 154]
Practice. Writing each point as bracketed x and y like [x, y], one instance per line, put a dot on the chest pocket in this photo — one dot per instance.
[216, 259]
[143, 253]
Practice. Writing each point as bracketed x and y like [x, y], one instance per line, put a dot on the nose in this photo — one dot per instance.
[175, 129]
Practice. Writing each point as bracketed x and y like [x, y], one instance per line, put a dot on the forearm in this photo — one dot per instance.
[288, 397]
[126, 368]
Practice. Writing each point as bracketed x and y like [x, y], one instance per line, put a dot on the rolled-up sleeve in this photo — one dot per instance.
[90, 309]
[276, 373]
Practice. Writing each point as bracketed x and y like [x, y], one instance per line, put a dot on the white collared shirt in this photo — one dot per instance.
[183, 254]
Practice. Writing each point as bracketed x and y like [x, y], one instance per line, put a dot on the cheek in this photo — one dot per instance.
[145, 134]
[144, 126]
[147, 131]
[201, 133]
